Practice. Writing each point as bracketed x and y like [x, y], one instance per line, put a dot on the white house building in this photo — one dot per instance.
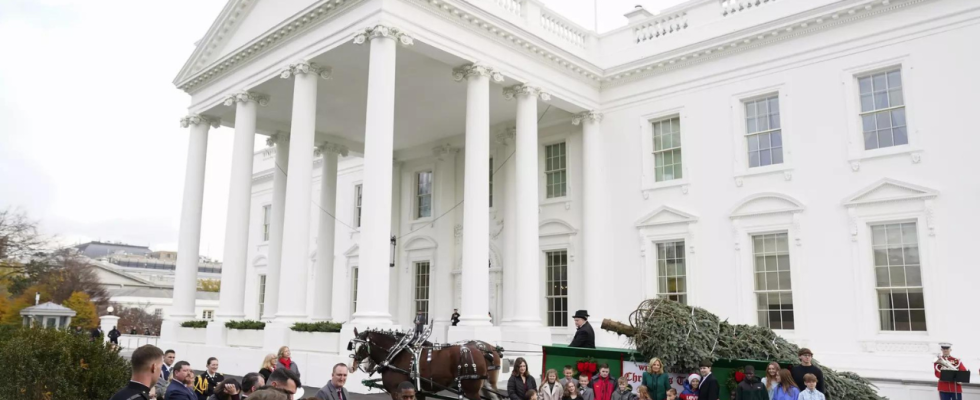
[791, 163]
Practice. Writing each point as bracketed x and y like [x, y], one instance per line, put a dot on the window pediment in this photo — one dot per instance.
[420, 243]
[766, 203]
[666, 215]
[353, 251]
[555, 227]
[889, 190]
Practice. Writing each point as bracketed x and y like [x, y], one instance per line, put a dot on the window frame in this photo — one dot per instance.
[266, 222]
[755, 287]
[656, 273]
[649, 182]
[416, 277]
[877, 289]
[668, 224]
[659, 153]
[741, 170]
[354, 275]
[417, 196]
[857, 154]
[358, 204]
[572, 155]
[562, 322]
[564, 169]
[261, 295]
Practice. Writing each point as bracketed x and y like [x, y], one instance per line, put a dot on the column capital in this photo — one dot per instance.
[443, 152]
[245, 97]
[331, 147]
[476, 69]
[506, 136]
[306, 67]
[526, 90]
[384, 32]
[591, 116]
[197, 119]
[277, 138]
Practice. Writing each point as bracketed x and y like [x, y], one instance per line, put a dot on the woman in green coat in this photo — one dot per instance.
[656, 380]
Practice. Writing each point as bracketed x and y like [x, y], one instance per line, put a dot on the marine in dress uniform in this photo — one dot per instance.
[948, 390]
[133, 391]
[584, 335]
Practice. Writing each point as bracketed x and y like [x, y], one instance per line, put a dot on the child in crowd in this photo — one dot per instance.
[584, 391]
[550, 389]
[531, 394]
[568, 372]
[643, 393]
[811, 392]
[787, 389]
[624, 392]
[571, 391]
[671, 394]
[691, 387]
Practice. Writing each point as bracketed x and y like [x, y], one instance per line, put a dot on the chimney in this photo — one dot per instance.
[638, 14]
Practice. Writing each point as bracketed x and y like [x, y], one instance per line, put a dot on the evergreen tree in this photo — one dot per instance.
[85, 314]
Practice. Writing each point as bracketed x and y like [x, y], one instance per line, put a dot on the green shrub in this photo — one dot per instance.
[54, 364]
[246, 324]
[323, 326]
[194, 324]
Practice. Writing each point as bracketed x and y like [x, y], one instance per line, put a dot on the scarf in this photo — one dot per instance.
[286, 362]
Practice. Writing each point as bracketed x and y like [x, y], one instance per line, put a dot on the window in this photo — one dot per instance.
[266, 221]
[898, 277]
[667, 149]
[423, 201]
[491, 181]
[554, 170]
[261, 296]
[671, 271]
[353, 290]
[883, 110]
[422, 289]
[357, 205]
[763, 131]
[207, 314]
[773, 288]
[556, 286]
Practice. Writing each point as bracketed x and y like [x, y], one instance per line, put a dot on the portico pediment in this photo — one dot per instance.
[666, 215]
[887, 190]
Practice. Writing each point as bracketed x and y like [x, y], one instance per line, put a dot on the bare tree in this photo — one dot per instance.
[19, 236]
[137, 318]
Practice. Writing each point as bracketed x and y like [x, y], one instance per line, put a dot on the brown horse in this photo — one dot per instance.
[458, 367]
[491, 353]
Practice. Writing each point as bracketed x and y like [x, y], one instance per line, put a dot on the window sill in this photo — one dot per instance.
[416, 223]
[914, 154]
[556, 200]
[785, 169]
[683, 183]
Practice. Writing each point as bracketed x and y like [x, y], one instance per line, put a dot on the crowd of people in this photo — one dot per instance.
[801, 382]
[156, 376]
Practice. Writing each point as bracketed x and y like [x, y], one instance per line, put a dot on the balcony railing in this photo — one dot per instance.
[158, 265]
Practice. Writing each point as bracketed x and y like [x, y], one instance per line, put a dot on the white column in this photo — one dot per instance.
[189, 242]
[373, 270]
[594, 217]
[323, 297]
[509, 175]
[441, 295]
[232, 296]
[476, 202]
[296, 220]
[526, 219]
[279, 173]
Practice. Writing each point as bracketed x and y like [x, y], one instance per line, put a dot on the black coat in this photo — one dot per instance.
[517, 388]
[584, 337]
[709, 389]
[132, 391]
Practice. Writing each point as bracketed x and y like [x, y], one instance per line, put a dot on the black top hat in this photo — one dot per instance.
[581, 314]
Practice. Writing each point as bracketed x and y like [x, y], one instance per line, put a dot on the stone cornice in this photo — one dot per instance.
[305, 67]
[195, 119]
[331, 147]
[277, 138]
[476, 69]
[246, 96]
[591, 116]
[383, 32]
[526, 90]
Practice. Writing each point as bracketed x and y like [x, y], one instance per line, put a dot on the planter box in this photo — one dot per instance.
[245, 337]
[192, 335]
[320, 342]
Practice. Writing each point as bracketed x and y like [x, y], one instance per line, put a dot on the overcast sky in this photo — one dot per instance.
[89, 138]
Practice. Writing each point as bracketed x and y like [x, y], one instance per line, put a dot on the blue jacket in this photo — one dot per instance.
[177, 391]
[794, 393]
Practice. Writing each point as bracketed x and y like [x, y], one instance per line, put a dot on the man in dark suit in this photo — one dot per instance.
[455, 317]
[584, 335]
[146, 363]
[334, 390]
[182, 376]
[709, 389]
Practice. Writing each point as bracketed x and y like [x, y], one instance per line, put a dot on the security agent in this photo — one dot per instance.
[147, 363]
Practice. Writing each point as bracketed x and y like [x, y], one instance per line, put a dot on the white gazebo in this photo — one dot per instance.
[48, 315]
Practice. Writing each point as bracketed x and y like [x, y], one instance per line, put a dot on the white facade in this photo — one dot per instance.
[615, 102]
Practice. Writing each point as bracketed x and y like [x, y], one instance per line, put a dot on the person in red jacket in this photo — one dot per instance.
[948, 390]
[603, 385]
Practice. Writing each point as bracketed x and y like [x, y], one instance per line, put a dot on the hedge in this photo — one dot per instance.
[246, 324]
[46, 364]
[323, 326]
[194, 324]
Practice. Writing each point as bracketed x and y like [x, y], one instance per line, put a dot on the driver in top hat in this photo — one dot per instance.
[584, 335]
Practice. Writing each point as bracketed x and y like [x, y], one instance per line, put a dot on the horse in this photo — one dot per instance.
[493, 355]
[458, 367]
